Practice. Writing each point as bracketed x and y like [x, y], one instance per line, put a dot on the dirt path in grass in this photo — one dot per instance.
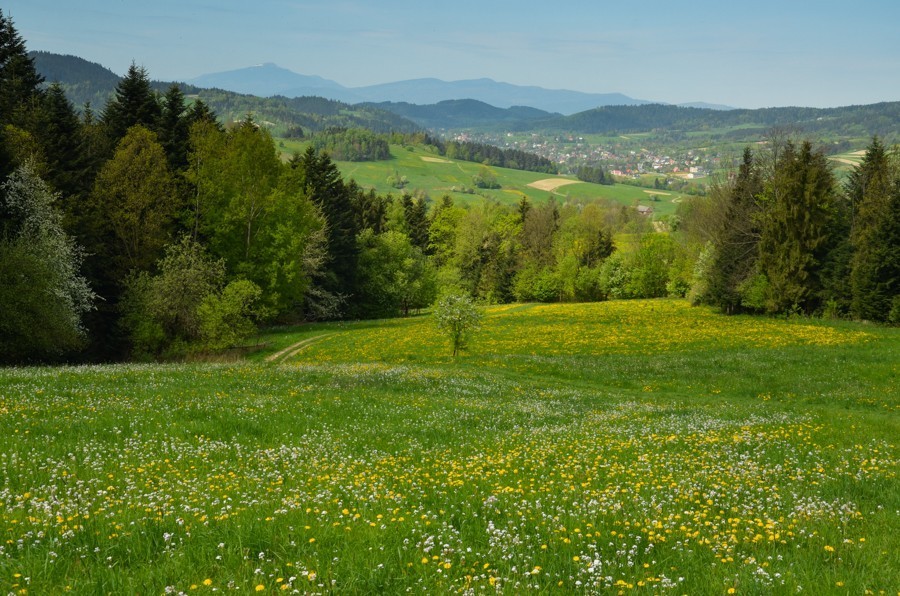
[294, 349]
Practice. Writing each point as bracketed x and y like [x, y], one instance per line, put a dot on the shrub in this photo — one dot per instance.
[228, 319]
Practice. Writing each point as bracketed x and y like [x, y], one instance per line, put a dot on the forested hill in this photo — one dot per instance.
[465, 113]
[311, 113]
[85, 81]
[882, 119]
[82, 80]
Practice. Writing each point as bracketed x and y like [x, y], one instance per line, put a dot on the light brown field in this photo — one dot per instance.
[435, 159]
[658, 192]
[551, 184]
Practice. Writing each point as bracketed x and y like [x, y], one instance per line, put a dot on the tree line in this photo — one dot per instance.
[850, 121]
[150, 230]
[784, 237]
[497, 157]
[355, 144]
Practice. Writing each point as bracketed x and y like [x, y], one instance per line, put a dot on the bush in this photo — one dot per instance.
[754, 292]
[160, 312]
[615, 277]
[229, 319]
[588, 287]
[894, 315]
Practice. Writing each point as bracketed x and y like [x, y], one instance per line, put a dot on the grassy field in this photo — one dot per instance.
[635, 447]
[438, 176]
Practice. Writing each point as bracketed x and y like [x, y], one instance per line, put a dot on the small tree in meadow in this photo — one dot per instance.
[458, 318]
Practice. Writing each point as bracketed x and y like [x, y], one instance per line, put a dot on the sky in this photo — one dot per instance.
[762, 53]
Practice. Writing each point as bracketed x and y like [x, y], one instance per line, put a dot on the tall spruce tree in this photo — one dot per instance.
[174, 128]
[328, 192]
[200, 112]
[873, 189]
[415, 212]
[736, 244]
[58, 130]
[134, 103]
[20, 95]
[370, 209]
[19, 80]
[794, 235]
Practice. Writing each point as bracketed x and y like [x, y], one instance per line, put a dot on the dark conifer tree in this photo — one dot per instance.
[20, 91]
[736, 247]
[20, 95]
[200, 112]
[134, 103]
[327, 190]
[874, 191]
[415, 212]
[59, 132]
[795, 234]
[523, 209]
[370, 208]
[174, 128]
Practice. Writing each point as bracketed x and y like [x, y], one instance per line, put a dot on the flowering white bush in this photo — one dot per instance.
[457, 316]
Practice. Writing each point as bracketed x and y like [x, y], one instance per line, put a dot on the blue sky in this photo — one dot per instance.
[745, 54]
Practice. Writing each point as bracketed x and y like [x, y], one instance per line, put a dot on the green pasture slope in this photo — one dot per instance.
[636, 447]
[437, 176]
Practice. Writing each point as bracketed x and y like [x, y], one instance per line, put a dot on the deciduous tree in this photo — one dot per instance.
[456, 316]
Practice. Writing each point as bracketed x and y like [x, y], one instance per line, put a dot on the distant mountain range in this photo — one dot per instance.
[267, 80]
[86, 81]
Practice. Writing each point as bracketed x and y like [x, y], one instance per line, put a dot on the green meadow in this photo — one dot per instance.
[438, 176]
[634, 447]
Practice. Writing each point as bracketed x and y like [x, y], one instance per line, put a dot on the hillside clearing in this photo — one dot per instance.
[551, 184]
[596, 446]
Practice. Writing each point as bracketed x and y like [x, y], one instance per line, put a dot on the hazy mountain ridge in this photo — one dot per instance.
[266, 80]
[269, 79]
[87, 81]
